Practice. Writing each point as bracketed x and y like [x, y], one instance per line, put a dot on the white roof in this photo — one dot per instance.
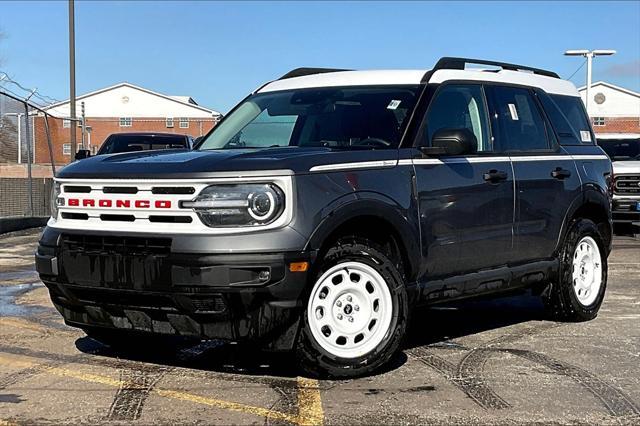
[184, 99]
[347, 78]
[406, 77]
[617, 136]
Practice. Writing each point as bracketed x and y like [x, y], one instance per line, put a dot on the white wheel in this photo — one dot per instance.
[350, 310]
[587, 271]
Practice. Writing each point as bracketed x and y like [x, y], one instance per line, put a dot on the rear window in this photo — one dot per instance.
[573, 110]
[131, 143]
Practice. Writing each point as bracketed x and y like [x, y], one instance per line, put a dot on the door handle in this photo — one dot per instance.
[495, 176]
[560, 173]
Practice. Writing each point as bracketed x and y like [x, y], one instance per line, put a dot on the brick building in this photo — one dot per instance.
[614, 110]
[123, 107]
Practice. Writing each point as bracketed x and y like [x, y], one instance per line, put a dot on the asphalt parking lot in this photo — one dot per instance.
[486, 362]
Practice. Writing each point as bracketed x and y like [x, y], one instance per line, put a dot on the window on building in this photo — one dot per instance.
[169, 121]
[66, 149]
[66, 123]
[126, 121]
[598, 121]
[184, 123]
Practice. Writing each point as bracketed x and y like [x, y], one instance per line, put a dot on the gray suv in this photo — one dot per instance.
[328, 204]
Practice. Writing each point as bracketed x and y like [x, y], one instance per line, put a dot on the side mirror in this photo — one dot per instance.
[451, 142]
[82, 154]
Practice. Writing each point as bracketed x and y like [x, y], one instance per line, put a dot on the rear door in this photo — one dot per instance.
[466, 203]
[546, 178]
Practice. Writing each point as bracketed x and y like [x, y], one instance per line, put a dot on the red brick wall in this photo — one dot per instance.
[618, 125]
[103, 127]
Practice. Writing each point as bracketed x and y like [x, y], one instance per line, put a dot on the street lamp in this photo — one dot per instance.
[589, 54]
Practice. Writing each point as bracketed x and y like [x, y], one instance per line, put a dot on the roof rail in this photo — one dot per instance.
[300, 72]
[448, 63]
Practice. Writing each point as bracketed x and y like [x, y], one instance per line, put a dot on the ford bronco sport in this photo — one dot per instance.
[329, 203]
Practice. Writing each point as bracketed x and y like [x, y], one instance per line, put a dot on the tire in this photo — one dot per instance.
[359, 293]
[579, 289]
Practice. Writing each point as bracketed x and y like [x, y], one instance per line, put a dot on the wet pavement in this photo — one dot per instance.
[484, 362]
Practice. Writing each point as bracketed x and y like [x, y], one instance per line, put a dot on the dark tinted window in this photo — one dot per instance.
[566, 133]
[519, 122]
[460, 107]
[573, 110]
[341, 118]
[621, 149]
[130, 143]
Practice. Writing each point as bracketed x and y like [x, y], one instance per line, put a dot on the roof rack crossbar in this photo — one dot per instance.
[460, 63]
[300, 72]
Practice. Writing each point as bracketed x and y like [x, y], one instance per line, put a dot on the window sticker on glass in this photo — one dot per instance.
[394, 104]
[514, 112]
[585, 135]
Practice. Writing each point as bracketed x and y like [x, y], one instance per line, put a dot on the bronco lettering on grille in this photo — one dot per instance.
[119, 204]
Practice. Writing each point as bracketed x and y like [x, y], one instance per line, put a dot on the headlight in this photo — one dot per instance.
[238, 205]
[56, 201]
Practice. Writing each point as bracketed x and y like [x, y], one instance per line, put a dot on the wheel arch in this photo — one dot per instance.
[374, 216]
[594, 205]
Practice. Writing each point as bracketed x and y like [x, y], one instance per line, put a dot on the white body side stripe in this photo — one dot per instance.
[356, 165]
[454, 160]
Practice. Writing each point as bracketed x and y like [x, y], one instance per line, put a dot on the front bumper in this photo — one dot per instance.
[140, 283]
[626, 210]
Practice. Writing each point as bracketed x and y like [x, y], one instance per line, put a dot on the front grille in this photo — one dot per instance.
[108, 245]
[627, 185]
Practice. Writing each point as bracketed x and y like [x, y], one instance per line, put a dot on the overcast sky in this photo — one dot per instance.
[218, 52]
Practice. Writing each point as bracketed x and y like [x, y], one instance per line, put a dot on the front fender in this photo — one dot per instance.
[369, 203]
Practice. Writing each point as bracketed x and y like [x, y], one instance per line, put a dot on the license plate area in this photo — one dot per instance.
[118, 263]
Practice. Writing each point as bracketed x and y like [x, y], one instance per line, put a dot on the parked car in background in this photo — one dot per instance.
[129, 142]
[624, 151]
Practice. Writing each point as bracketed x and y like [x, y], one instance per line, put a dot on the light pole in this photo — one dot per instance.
[72, 78]
[589, 54]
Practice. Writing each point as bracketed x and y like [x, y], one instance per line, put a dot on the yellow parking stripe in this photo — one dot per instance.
[310, 406]
[309, 402]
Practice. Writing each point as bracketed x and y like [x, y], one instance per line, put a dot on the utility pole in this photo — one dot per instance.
[589, 54]
[72, 79]
[82, 123]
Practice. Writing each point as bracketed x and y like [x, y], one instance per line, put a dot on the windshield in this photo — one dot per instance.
[341, 118]
[130, 143]
[621, 149]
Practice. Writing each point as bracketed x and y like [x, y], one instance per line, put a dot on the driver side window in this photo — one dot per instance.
[459, 107]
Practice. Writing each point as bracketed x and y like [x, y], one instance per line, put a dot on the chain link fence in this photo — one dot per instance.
[26, 168]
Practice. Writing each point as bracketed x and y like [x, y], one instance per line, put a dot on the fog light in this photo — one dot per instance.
[264, 275]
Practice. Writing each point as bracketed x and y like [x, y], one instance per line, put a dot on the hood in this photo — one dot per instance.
[626, 167]
[197, 164]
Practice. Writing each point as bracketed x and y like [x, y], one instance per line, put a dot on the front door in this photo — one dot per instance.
[466, 202]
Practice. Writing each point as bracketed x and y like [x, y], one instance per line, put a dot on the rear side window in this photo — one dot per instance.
[519, 123]
[573, 110]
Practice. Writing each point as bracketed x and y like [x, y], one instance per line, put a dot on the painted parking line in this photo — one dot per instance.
[309, 402]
